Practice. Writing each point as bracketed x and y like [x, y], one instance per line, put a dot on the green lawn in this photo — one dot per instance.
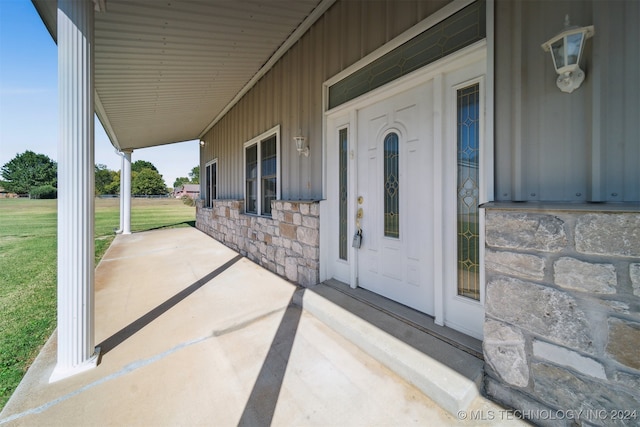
[28, 270]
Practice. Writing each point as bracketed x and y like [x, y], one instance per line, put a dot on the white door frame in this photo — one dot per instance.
[347, 114]
[459, 311]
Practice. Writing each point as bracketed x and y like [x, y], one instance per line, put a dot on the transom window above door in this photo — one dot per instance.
[262, 172]
[459, 30]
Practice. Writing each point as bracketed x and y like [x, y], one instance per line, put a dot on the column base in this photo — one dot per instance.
[60, 373]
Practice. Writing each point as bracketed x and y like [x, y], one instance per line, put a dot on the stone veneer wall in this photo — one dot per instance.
[286, 244]
[562, 326]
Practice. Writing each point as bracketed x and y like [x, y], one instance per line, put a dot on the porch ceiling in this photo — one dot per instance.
[165, 70]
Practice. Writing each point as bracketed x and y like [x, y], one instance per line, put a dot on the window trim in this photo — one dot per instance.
[256, 141]
[208, 197]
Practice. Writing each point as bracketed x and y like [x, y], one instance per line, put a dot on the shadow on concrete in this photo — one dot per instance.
[177, 224]
[163, 227]
[262, 402]
[128, 331]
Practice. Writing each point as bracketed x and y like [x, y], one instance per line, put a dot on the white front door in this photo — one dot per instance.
[404, 166]
[393, 192]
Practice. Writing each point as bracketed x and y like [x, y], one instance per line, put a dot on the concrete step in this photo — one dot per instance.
[448, 374]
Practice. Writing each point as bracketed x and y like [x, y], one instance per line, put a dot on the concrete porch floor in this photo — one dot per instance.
[193, 334]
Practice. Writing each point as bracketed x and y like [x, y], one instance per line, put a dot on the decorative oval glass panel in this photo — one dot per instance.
[391, 186]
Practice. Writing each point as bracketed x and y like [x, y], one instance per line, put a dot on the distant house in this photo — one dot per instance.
[4, 194]
[191, 190]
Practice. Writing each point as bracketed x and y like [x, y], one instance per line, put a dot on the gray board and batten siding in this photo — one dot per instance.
[549, 145]
[290, 94]
[553, 146]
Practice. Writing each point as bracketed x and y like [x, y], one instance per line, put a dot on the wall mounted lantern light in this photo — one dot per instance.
[300, 145]
[566, 49]
[202, 143]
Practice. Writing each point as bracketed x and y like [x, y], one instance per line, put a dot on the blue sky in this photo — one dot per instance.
[29, 99]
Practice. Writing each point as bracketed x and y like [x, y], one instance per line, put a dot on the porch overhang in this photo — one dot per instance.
[154, 73]
[166, 72]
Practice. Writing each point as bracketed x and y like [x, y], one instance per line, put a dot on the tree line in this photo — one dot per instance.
[36, 175]
[145, 180]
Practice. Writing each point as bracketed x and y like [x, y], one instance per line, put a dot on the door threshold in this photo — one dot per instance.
[408, 316]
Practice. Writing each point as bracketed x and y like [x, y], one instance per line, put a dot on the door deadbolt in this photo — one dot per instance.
[360, 200]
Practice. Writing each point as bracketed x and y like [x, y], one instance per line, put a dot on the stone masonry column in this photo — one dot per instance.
[125, 193]
[75, 331]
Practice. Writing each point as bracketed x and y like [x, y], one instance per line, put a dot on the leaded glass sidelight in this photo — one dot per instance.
[251, 179]
[211, 183]
[268, 171]
[391, 186]
[207, 184]
[214, 181]
[342, 214]
[468, 138]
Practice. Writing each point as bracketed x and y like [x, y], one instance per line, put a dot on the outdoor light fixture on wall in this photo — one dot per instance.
[300, 145]
[202, 143]
[566, 50]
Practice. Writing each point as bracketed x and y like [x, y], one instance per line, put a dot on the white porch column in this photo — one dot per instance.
[120, 194]
[76, 351]
[125, 194]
